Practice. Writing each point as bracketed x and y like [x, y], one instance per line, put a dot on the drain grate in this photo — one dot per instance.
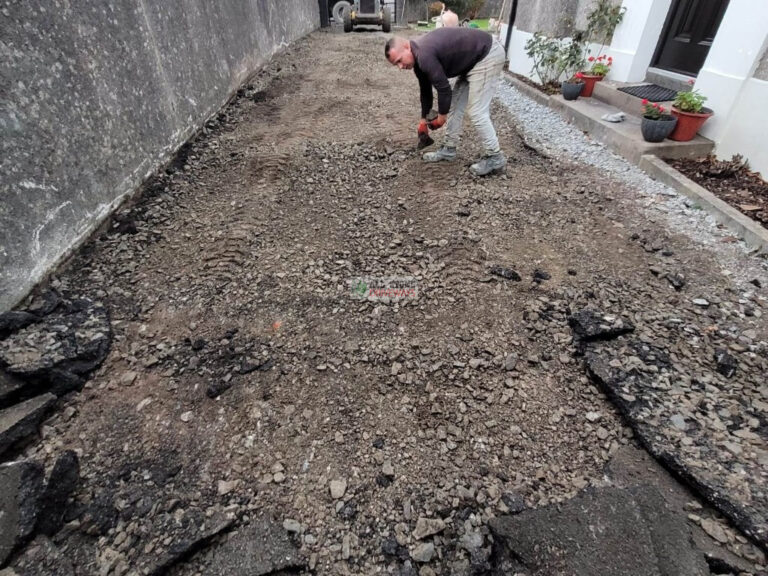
[652, 92]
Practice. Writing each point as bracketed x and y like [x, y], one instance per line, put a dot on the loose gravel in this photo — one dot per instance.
[249, 385]
[545, 129]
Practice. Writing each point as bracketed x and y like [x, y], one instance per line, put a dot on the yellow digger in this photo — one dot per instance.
[365, 13]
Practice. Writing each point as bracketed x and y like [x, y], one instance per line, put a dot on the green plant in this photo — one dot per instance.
[692, 101]
[545, 53]
[602, 22]
[653, 110]
[553, 57]
[572, 55]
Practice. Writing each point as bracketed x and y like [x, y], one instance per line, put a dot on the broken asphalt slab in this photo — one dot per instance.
[41, 557]
[21, 421]
[632, 466]
[188, 546]
[589, 325]
[621, 532]
[56, 351]
[259, 549]
[21, 486]
[666, 409]
[721, 477]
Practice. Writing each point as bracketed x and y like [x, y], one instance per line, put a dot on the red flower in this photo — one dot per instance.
[579, 75]
[601, 57]
[645, 101]
[661, 108]
[591, 58]
[610, 58]
[691, 81]
[655, 105]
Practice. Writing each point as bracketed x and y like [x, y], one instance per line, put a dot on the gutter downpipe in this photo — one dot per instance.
[512, 16]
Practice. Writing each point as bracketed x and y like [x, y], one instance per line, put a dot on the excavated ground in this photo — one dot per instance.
[247, 379]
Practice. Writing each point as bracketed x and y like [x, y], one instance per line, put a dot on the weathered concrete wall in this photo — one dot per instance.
[96, 95]
[492, 8]
[414, 10]
[554, 17]
[551, 18]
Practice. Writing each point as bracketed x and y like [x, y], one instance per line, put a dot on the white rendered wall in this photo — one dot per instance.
[732, 60]
[635, 39]
[745, 131]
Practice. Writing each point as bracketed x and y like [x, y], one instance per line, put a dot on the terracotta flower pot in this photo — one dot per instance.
[571, 90]
[688, 123]
[655, 130]
[589, 84]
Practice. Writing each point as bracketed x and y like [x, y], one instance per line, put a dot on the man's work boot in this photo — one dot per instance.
[444, 153]
[488, 164]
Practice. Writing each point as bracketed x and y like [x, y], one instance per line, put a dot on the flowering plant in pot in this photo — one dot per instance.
[572, 87]
[601, 65]
[656, 123]
[691, 114]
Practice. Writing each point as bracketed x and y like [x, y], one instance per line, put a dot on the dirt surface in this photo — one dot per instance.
[732, 181]
[249, 378]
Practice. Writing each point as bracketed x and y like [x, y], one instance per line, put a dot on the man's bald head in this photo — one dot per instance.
[398, 52]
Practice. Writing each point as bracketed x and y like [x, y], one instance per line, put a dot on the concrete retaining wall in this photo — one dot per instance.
[96, 95]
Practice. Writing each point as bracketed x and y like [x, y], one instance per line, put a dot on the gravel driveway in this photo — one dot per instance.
[251, 377]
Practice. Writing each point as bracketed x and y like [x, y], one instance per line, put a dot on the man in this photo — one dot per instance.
[477, 60]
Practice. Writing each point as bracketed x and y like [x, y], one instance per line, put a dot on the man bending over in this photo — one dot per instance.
[476, 60]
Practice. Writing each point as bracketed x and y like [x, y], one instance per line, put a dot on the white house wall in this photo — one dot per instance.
[636, 38]
[745, 131]
[728, 80]
[732, 60]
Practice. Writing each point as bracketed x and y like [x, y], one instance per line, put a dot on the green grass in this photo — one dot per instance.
[482, 24]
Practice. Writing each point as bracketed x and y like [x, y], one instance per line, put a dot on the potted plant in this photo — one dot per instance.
[600, 67]
[656, 125]
[572, 88]
[691, 114]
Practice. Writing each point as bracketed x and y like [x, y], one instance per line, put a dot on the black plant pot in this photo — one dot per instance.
[571, 90]
[657, 130]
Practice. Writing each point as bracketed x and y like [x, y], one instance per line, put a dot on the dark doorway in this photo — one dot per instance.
[688, 34]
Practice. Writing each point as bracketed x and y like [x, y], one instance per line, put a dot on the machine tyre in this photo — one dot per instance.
[338, 10]
[347, 17]
[386, 21]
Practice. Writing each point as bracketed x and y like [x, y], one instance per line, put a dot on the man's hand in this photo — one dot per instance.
[437, 122]
[424, 139]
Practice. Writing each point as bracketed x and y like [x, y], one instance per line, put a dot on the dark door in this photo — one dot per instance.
[688, 34]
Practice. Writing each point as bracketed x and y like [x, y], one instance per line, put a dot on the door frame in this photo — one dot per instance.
[663, 38]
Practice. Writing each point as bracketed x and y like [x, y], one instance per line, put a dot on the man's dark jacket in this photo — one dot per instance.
[446, 53]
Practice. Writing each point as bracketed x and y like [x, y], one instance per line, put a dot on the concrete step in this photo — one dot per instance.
[671, 80]
[624, 138]
[609, 93]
